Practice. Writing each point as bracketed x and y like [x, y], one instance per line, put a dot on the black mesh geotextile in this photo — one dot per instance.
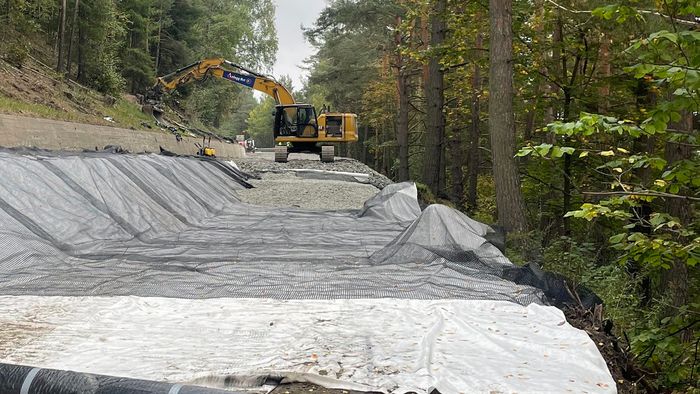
[20, 379]
[150, 225]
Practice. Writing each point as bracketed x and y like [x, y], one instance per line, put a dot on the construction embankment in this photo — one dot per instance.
[20, 131]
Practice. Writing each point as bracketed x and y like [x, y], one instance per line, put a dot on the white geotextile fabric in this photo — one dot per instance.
[390, 345]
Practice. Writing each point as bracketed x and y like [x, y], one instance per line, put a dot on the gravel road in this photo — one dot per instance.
[287, 190]
[262, 162]
[308, 388]
[280, 187]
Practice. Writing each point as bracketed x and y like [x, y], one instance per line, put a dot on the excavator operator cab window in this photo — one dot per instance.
[296, 121]
[290, 120]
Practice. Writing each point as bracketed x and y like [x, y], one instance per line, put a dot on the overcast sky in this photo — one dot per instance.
[293, 48]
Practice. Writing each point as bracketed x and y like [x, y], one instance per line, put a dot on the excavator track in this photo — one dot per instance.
[281, 154]
[327, 153]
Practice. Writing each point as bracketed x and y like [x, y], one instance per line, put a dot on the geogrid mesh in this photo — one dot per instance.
[149, 225]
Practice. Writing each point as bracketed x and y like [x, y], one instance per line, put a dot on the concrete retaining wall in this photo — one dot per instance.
[19, 131]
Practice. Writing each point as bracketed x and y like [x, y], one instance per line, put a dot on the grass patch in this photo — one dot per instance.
[15, 107]
[124, 113]
[128, 115]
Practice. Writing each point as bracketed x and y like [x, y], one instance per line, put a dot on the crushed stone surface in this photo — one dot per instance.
[287, 190]
[263, 162]
[309, 388]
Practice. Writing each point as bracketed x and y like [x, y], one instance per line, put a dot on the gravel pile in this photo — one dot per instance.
[285, 189]
[262, 162]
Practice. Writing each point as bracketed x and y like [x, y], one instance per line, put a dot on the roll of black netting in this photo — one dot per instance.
[21, 379]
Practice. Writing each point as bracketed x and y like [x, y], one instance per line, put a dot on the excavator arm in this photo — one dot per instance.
[223, 69]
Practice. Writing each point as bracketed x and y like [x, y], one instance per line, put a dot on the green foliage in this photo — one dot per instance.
[124, 113]
[659, 344]
[486, 195]
[425, 196]
[14, 52]
[351, 72]
[579, 262]
[619, 289]
[241, 31]
[104, 74]
[637, 173]
[103, 27]
[237, 121]
[261, 122]
[21, 21]
[570, 258]
[137, 70]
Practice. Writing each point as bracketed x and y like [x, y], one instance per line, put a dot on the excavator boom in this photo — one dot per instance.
[215, 67]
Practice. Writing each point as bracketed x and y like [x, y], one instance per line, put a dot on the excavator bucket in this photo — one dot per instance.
[154, 111]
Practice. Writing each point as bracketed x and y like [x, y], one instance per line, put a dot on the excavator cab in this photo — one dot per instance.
[297, 128]
[297, 120]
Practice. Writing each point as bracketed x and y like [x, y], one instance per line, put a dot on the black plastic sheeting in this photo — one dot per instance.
[20, 379]
[558, 291]
[146, 225]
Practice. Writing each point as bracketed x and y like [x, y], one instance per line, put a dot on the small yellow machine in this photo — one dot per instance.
[205, 149]
[297, 127]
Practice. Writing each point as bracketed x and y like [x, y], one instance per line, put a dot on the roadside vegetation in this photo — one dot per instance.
[573, 125]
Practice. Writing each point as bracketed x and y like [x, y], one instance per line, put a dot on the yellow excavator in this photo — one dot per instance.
[297, 127]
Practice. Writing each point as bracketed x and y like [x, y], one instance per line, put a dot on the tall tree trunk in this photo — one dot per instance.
[456, 162]
[567, 171]
[160, 30]
[388, 150]
[425, 39]
[549, 224]
[557, 73]
[81, 54]
[442, 175]
[475, 131]
[541, 88]
[61, 34]
[8, 12]
[434, 95]
[675, 279]
[71, 35]
[362, 143]
[509, 201]
[605, 73]
[530, 120]
[377, 151]
[402, 117]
